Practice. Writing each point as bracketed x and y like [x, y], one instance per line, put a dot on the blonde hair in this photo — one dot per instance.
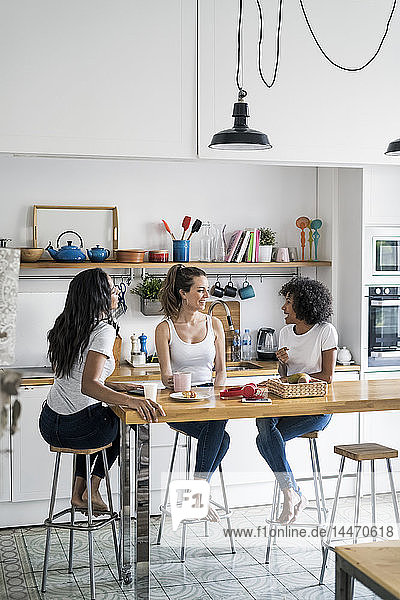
[178, 278]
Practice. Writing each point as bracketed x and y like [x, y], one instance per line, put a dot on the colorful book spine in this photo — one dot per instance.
[238, 247]
[233, 242]
[257, 245]
[253, 253]
[249, 254]
[243, 247]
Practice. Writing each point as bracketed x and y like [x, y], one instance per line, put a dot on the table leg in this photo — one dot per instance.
[142, 495]
[344, 582]
[125, 496]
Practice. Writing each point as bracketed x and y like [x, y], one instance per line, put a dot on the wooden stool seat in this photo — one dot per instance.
[310, 436]
[366, 451]
[72, 451]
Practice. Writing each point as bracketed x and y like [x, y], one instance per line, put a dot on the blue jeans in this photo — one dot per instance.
[212, 444]
[274, 432]
[92, 427]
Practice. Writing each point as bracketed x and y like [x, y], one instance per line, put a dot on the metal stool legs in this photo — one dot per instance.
[89, 527]
[51, 512]
[331, 522]
[319, 496]
[163, 507]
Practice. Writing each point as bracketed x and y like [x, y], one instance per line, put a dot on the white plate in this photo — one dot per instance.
[199, 396]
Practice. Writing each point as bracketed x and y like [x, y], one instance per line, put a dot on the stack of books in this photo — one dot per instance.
[243, 246]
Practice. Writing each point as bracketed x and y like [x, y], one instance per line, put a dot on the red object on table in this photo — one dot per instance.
[249, 390]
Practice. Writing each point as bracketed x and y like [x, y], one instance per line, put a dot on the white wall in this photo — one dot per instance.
[240, 195]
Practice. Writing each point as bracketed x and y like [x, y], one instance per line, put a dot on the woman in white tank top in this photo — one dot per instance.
[189, 340]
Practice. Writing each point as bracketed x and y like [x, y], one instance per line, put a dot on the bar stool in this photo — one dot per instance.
[72, 526]
[320, 507]
[227, 513]
[359, 453]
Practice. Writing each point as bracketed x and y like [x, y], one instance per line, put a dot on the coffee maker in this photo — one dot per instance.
[266, 344]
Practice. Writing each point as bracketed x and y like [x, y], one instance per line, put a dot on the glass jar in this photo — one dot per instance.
[218, 247]
[205, 242]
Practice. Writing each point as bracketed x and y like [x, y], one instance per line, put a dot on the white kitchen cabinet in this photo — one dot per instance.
[315, 113]
[32, 461]
[5, 456]
[382, 428]
[98, 78]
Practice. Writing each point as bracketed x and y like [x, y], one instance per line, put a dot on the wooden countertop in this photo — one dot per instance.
[342, 397]
[151, 372]
[379, 561]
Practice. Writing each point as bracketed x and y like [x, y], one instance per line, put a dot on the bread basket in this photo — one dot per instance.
[315, 387]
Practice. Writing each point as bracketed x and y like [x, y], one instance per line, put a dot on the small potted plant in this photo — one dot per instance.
[149, 290]
[267, 240]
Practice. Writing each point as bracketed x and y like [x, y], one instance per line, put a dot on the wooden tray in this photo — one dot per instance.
[316, 387]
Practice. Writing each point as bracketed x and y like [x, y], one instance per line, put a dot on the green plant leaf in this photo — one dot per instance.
[149, 288]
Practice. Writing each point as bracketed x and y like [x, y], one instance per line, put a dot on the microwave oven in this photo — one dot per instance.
[386, 255]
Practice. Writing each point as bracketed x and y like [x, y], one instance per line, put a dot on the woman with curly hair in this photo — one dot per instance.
[307, 344]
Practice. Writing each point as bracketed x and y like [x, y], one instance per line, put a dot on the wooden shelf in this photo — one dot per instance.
[108, 264]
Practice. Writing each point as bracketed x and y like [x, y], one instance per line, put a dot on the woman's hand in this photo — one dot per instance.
[282, 355]
[124, 387]
[169, 382]
[147, 409]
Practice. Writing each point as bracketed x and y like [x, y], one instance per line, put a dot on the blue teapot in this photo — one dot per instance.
[98, 254]
[67, 253]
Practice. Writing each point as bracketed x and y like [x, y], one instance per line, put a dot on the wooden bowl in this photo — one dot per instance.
[31, 254]
[131, 256]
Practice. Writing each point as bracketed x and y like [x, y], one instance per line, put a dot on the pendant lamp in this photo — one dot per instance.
[394, 148]
[240, 136]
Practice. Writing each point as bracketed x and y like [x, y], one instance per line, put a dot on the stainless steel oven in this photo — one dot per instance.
[384, 326]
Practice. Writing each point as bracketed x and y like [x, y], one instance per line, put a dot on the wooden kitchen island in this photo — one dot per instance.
[342, 397]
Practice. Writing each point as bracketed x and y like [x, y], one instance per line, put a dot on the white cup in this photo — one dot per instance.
[282, 255]
[182, 382]
[150, 391]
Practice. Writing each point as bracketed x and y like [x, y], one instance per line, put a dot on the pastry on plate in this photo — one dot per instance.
[189, 394]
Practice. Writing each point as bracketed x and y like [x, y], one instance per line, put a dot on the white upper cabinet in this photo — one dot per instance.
[98, 78]
[315, 113]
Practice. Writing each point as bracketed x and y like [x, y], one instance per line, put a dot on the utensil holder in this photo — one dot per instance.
[181, 250]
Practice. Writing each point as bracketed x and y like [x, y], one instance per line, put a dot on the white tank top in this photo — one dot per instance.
[197, 359]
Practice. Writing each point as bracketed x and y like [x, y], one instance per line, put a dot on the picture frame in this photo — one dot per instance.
[97, 225]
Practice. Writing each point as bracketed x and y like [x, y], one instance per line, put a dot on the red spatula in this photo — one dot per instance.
[185, 225]
[168, 229]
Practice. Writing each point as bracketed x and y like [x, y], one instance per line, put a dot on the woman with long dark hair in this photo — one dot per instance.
[307, 344]
[189, 340]
[81, 354]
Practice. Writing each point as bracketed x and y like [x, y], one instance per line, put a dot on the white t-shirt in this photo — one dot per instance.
[305, 350]
[65, 396]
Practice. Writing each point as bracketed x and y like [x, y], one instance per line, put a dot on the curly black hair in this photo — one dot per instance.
[311, 299]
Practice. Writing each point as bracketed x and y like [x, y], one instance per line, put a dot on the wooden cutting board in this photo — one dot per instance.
[219, 311]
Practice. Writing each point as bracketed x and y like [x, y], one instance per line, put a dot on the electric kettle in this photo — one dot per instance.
[266, 344]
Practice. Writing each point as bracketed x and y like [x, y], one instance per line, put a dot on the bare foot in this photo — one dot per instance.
[97, 501]
[79, 488]
[299, 508]
[291, 499]
[212, 515]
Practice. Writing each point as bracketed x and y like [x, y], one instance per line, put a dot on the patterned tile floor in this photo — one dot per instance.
[210, 570]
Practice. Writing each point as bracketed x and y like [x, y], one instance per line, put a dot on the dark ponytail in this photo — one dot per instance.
[178, 278]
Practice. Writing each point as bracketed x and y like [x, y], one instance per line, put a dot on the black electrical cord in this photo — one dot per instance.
[242, 92]
[278, 43]
[332, 61]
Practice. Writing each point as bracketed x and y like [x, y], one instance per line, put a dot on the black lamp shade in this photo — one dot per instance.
[394, 148]
[240, 137]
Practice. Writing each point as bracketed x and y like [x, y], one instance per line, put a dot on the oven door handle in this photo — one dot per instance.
[385, 302]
